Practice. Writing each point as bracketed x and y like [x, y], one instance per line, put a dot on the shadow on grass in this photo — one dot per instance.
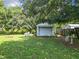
[33, 48]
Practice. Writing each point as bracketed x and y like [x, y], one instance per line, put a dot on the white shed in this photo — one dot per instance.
[44, 29]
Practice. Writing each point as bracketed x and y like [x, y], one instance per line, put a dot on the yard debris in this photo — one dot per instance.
[28, 34]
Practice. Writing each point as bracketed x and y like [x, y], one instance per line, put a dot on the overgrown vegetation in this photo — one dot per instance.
[20, 20]
[13, 21]
[20, 47]
[52, 11]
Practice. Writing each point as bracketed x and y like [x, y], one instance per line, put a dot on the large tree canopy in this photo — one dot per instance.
[52, 10]
[37, 11]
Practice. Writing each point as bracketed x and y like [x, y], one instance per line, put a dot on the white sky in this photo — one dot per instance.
[12, 3]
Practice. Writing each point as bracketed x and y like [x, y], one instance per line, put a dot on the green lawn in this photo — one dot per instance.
[20, 47]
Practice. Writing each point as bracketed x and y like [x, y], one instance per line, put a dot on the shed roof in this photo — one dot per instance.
[71, 26]
[44, 25]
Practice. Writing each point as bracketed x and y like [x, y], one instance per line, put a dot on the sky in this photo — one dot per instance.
[11, 3]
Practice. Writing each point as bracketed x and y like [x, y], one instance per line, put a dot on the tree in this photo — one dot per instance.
[52, 10]
[11, 19]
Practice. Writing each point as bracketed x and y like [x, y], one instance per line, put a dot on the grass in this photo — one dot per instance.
[20, 47]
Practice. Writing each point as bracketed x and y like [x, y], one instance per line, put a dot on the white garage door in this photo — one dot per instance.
[45, 31]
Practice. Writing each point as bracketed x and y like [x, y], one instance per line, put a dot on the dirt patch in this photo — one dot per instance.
[67, 44]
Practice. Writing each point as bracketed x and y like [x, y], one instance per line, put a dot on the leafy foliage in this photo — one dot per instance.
[12, 20]
[52, 11]
[37, 11]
